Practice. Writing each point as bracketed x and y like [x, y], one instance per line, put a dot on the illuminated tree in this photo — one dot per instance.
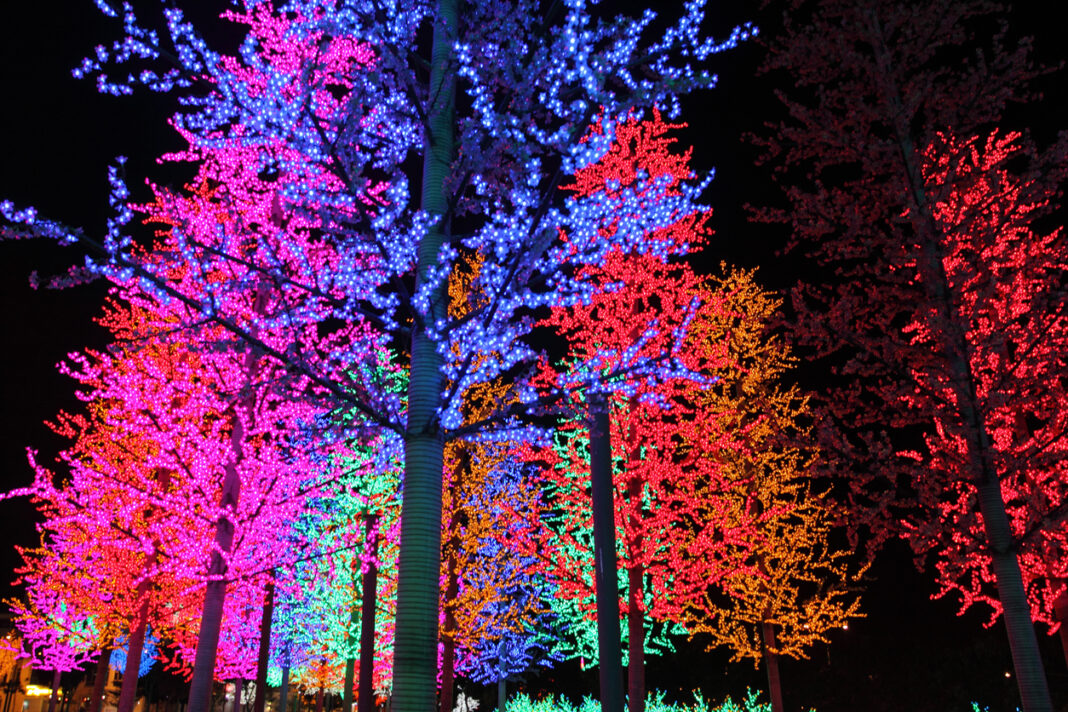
[332, 95]
[680, 528]
[649, 421]
[990, 213]
[53, 634]
[317, 623]
[104, 573]
[142, 503]
[494, 621]
[910, 308]
[799, 586]
[498, 619]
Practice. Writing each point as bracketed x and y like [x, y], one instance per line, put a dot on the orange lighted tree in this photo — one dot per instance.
[800, 586]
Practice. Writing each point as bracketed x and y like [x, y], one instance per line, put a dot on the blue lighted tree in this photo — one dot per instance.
[341, 111]
[516, 629]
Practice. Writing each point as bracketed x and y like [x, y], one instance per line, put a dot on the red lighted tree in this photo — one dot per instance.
[680, 527]
[1003, 273]
[607, 332]
[937, 317]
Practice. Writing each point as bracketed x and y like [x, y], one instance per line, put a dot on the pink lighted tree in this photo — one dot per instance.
[142, 505]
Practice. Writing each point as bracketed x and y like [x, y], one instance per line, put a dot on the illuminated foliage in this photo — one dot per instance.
[504, 625]
[931, 311]
[315, 632]
[799, 585]
[134, 521]
[328, 97]
[495, 621]
[1001, 271]
[666, 481]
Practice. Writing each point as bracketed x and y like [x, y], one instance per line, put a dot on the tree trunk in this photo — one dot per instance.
[135, 644]
[415, 653]
[55, 691]
[319, 701]
[1023, 643]
[260, 701]
[771, 662]
[604, 548]
[502, 679]
[366, 698]
[448, 639]
[100, 681]
[350, 673]
[239, 686]
[283, 692]
[635, 607]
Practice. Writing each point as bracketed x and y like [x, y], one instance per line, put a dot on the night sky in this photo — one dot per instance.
[56, 141]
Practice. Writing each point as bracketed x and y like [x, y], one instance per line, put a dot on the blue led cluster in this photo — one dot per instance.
[324, 92]
[117, 662]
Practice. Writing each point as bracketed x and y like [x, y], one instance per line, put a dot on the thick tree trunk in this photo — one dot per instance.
[771, 662]
[135, 644]
[604, 548]
[55, 691]
[260, 701]
[635, 607]
[366, 698]
[100, 681]
[415, 648]
[319, 701]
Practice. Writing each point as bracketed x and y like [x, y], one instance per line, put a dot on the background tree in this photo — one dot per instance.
[902, 314]
[505, 626]
[799, 585]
